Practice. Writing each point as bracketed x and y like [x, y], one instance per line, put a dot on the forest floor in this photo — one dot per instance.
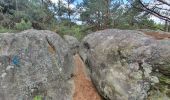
[84, 89]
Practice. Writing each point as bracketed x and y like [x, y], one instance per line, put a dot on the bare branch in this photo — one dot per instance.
[164, 2]
[150, 10]
[161, 8]
[154, 12]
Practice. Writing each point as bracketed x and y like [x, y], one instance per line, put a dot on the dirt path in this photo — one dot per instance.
[158, 35]
[84, 89]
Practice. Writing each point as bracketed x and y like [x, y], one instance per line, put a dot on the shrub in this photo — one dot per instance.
[37, 98]
[23, 25]
[75, 31]
[4, 30]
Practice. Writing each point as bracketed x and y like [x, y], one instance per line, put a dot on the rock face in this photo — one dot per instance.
[35, 65]
[128, 65]
[73, 43]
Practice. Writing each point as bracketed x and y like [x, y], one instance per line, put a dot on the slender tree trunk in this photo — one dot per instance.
[69, 14]
[16, 4]
[169, 27]
[107, 14]
[42, 1]
[59, 9]
[166, 26]
[98, 23]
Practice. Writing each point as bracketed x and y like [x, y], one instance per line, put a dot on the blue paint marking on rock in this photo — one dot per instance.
[15, 60]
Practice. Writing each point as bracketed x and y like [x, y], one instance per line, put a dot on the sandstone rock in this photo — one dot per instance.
[125, 65]
[35, 64]
[73, 43]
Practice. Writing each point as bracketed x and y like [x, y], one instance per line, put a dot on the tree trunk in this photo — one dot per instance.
[69, 14]
[42, 3]
[107, 13]
[16, 4]
[98, 22]
[169, 27]
[166, 26]
[59, 9]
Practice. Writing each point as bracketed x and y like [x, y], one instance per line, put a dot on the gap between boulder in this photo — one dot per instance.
[84, 89]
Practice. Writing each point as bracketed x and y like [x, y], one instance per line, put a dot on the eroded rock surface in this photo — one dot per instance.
[73, 43]
[127, 65]
[35, 64]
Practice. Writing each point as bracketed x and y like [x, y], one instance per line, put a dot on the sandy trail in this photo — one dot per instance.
[84, 89]
[158, 35]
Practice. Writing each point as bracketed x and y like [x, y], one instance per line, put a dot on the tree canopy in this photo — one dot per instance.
[63, 16]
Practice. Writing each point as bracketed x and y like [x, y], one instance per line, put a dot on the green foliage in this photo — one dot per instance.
[100, 14]
[78, 31]
[37, 98]
[18, 15]
[58, 17]
[4, 30]
[74, 30]
[31, 11]
[159, 26]
[23, 25]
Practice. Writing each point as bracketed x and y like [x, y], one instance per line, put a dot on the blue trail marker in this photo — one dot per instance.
[15, 60]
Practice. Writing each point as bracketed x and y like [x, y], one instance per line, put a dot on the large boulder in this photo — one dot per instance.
[73, 43]
[35, 65]
[127, 65]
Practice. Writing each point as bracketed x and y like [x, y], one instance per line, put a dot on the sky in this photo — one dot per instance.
[79, 1]
[55, 1]
[64, 1]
